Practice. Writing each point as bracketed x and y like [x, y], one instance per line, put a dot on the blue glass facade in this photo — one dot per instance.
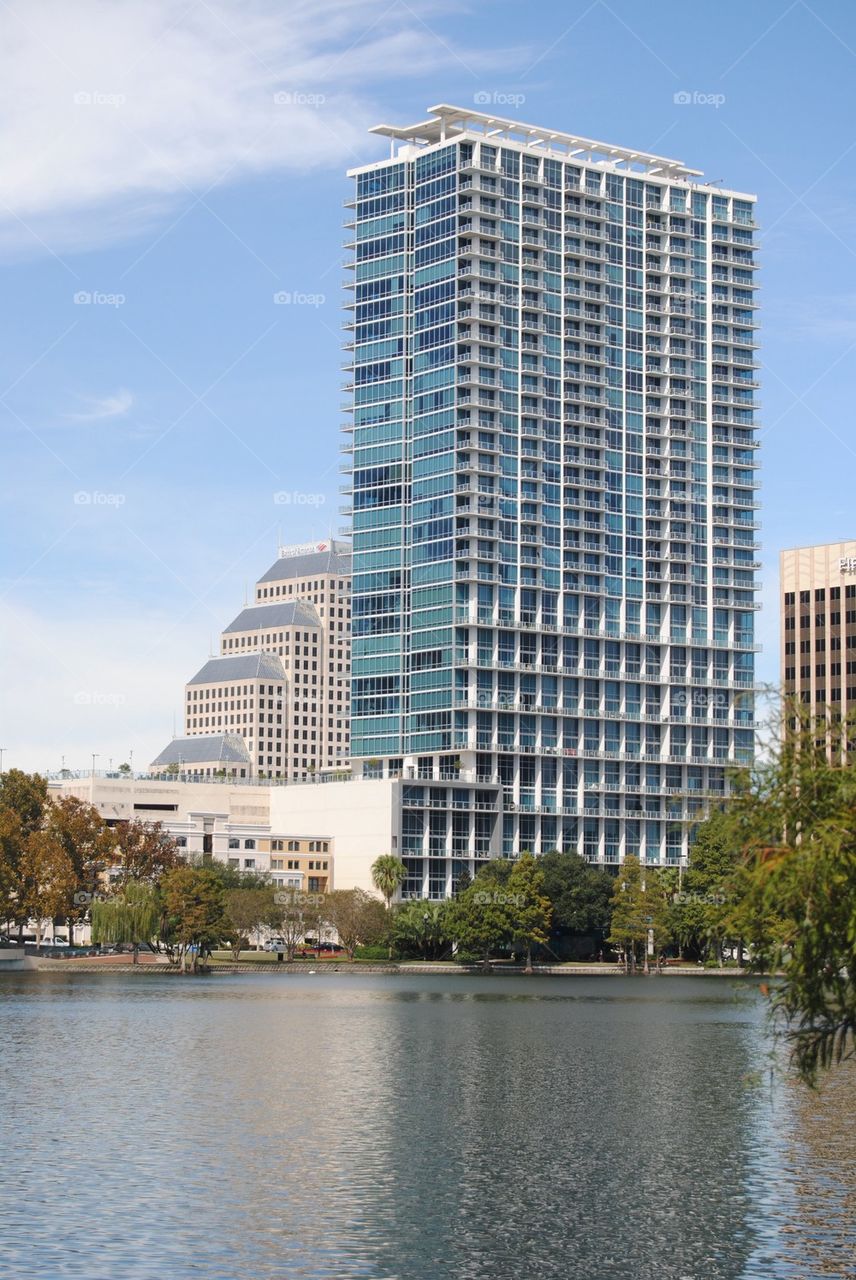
[554, 514]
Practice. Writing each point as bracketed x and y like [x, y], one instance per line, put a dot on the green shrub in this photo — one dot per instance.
[371, 953]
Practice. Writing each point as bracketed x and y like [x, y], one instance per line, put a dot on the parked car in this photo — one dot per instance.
[275, 944]
[54, 942]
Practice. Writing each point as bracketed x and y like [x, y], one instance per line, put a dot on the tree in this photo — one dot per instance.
[124, 768]
[47, 879]
[628, 927]
[530, 908]
[494, 872]
[421, 927]
[580, 893]
[23, 799]
[84, 835]
[88, 843]
[144, 851]
[639, 906]
[480, 919]
[388, 875]
[296, 914]
[11, 847]
[702, 910]
[792, 819]
[357, 917]
[246, 910]
[462, 882]
[232, 877]
[194, 901]
[132, 916]
[26, 794]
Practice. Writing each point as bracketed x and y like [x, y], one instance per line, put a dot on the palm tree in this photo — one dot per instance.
[388, 874]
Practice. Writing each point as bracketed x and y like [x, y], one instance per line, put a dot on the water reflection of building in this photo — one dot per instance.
[577, 1130]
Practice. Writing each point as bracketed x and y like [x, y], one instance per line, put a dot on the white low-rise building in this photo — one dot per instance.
[438, 825]
[228, 821]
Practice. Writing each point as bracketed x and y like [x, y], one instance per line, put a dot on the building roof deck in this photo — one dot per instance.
[447, 122]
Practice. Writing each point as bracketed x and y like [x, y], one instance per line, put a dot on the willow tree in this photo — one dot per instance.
[132, 916]
[792, 819]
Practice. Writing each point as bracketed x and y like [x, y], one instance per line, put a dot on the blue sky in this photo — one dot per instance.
[180, 163]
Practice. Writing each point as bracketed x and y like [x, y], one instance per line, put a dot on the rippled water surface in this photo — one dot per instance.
[414, 1127]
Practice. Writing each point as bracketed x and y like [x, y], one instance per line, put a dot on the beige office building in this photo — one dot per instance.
[818, 624]
[281, 682]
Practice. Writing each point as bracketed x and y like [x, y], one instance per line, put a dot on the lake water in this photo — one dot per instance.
[418, 1127]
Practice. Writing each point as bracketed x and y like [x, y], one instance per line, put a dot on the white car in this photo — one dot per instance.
[54, 942]
[275, 944]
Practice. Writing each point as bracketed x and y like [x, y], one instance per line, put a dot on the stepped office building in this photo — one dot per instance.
[280, 683]
[554, 472]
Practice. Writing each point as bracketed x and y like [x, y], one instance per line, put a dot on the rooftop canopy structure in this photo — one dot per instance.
[447, 122]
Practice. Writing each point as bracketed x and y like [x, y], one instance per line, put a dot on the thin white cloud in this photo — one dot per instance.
[115, 112]
[106, 683]
[100, 408]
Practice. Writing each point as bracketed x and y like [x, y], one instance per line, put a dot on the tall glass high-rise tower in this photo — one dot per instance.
[554, 472]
